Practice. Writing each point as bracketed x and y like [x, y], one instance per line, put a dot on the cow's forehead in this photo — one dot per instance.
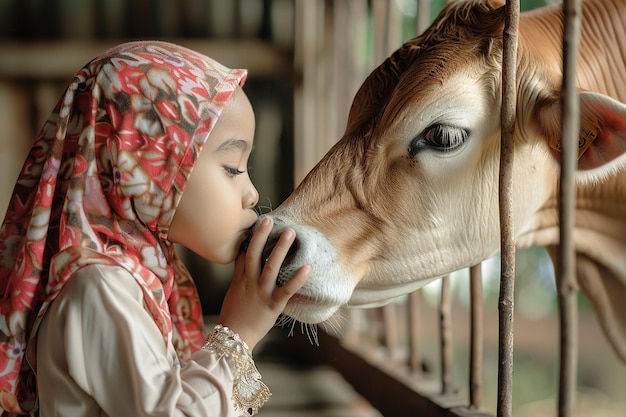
[465, 39]
[414, 78]
[432, 76]
[428, 93]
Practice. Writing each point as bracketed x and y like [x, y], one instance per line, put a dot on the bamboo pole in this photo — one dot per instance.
[308, 35]
[445, 328]
[391, 330]
[422, 20]
[476, 337]
[415, 360]
[507, 251]
[566, 264]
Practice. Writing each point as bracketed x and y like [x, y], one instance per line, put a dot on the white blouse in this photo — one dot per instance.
[99, 353]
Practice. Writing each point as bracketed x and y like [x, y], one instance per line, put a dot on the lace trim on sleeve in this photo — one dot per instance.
[249, 393]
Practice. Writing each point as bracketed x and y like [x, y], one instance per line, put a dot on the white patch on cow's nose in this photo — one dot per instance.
[328, 286]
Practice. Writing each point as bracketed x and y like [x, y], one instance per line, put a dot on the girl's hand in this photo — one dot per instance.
[253, 301]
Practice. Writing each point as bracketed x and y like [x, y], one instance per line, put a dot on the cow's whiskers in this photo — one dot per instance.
[310, 330]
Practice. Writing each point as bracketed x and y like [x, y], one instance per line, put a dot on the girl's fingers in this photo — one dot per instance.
[257, 243]
[276, 258]
[239, 265]
[284, 293]
[269, 274]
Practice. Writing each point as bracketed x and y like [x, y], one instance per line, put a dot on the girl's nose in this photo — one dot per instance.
[250, 197]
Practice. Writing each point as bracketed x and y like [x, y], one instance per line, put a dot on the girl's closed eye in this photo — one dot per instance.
[232, 172]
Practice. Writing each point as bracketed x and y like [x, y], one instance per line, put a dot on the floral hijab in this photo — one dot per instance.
[100, 186]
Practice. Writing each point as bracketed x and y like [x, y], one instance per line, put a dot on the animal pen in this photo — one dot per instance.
[381, 352]
[333, 47]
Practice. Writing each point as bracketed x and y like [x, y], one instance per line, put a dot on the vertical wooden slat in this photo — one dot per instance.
[445, 327]
[362, 60]
[281, 22]
[566, 264]
[415, 360]
[391, 329]
[221, 17]
[251, 15]
[306, 101]
[109, 18]
[327, 79]
[77, 19]
[476, 337]
[373, 329]
[394, 27]
[167, 18]
[344, 44]
[350, 66]
[16, 138]
[379, 17]
[423, 15]
[507, 280]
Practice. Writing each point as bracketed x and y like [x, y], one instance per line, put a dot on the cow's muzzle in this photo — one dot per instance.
[310, 247]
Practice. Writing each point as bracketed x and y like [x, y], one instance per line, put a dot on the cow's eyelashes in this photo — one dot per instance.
[445, 138]
[442, 138]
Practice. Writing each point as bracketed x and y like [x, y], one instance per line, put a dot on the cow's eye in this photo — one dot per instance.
[445, 138]
[440, 138]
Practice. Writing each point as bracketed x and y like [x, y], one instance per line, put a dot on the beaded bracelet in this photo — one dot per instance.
[249, 393]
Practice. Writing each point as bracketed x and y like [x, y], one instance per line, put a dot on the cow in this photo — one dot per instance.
[410, 192]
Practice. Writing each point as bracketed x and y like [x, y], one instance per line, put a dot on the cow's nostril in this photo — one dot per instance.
[267, 250]
[292, 251]
[269, 247]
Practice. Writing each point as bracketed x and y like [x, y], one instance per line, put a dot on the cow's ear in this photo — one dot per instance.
[602, 136]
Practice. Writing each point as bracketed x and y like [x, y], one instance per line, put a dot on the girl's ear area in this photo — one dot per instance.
[182, 221]
[602, 135]
[179, 225]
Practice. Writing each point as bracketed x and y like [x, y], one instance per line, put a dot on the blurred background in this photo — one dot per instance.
[306, 59]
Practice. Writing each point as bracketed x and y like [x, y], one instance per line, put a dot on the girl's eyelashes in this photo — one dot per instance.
[233, 171]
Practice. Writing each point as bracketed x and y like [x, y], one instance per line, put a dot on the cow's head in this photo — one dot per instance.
[410, 192]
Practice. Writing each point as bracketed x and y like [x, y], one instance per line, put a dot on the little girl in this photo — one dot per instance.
[148, 147]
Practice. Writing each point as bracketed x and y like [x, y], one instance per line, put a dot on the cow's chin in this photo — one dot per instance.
[309, 313]
[324, 298]
[327, 290]
[367, 295]
[321, 296]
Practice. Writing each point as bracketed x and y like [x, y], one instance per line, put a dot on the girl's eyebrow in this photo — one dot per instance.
[234, 144]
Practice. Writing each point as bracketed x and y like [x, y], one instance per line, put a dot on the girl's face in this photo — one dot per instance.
[216, 210]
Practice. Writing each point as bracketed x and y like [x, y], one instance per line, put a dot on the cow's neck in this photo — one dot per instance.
[601, 68]
[600, 220]
[600, 212]
[600, 244]
[602, 57]
[602, 50]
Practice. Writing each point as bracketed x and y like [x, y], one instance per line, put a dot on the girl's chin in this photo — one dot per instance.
[225, 258]
[228, 252]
